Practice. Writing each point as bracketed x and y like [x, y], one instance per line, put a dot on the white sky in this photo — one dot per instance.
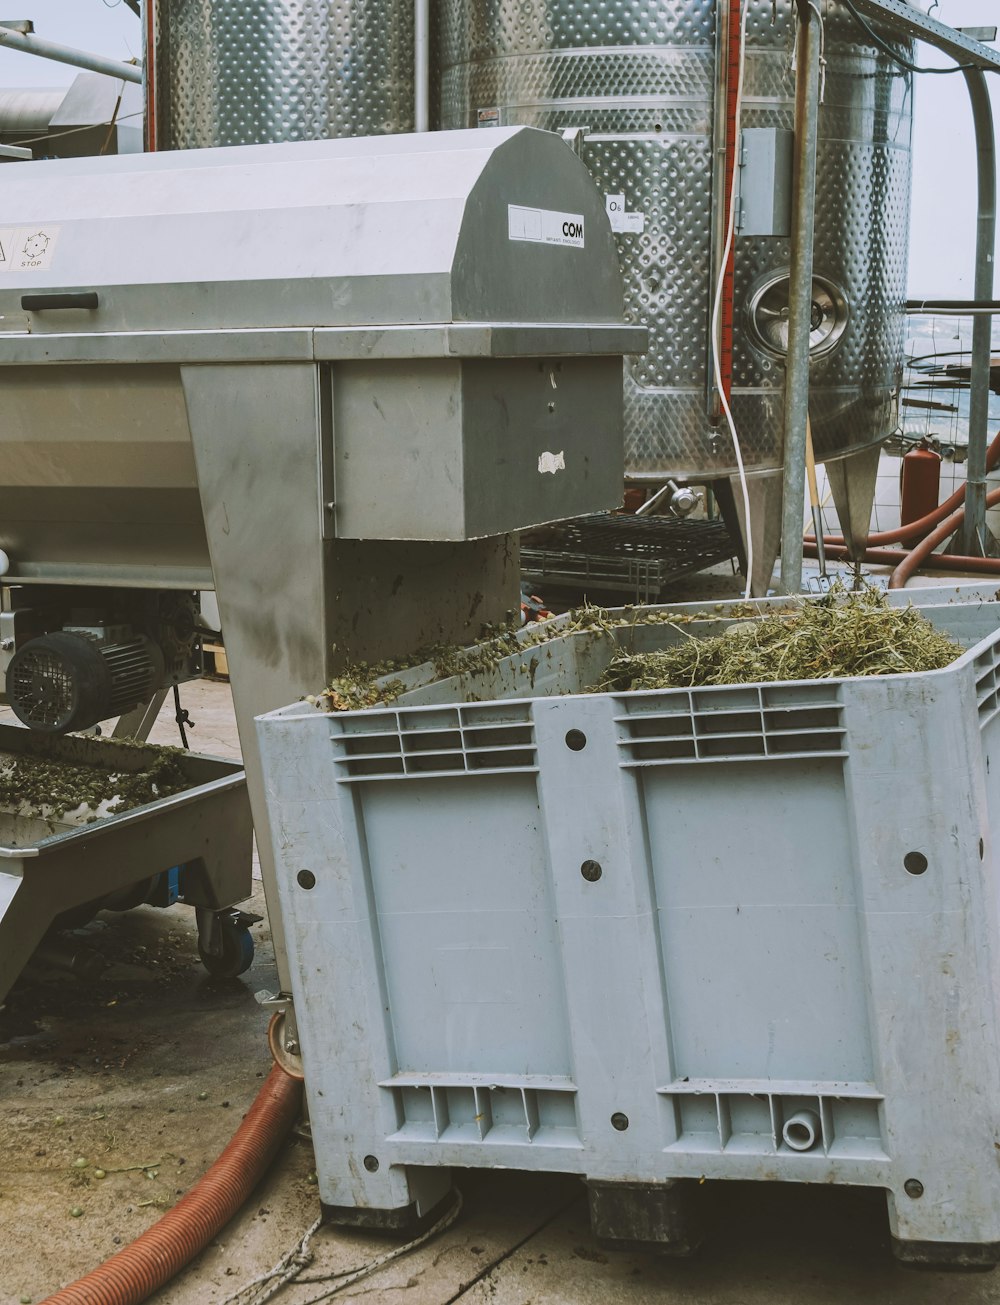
[944, 186]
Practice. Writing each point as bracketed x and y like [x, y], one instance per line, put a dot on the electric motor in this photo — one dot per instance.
[66, 681]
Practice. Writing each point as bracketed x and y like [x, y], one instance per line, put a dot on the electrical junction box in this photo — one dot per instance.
[764, 204]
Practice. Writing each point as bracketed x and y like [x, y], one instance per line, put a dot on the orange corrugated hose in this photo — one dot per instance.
[137, 1270]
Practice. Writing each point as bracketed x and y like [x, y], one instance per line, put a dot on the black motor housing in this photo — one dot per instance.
[64, 681]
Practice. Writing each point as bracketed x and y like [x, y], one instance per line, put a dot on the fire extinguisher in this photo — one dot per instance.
[921, 483]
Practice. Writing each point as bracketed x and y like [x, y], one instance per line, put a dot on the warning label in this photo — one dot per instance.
[27, 249]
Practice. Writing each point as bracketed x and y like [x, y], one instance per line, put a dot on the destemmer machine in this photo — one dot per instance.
[326, 379]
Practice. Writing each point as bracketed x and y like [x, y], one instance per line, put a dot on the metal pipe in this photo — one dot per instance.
[972, 538]
[962, 312]
[959, 306]
[807, 78]
[99, 63]
[421, 65]
[655, 500]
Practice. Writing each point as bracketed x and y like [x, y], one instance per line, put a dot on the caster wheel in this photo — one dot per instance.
[236, 956]
[286, 1055]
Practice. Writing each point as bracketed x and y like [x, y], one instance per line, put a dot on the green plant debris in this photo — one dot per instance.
[838, 636]
[50, 787]
[841, 634]
[361, 685]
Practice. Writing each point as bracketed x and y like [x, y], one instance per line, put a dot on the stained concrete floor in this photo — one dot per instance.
[145, 1074]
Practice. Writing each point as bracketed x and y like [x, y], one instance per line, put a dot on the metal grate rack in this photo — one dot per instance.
[634, 557]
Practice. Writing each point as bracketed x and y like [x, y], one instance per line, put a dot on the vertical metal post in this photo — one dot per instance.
[973, 533]
[807, 77]
[421, 65]
[150, 24]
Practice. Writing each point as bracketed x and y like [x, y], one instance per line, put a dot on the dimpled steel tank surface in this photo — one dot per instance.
[229, 72]
[645, 82]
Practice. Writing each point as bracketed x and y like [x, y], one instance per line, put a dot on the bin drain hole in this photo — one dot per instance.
[619, 1121]
[576, 740]
[591, 871]
[371, 1164]
[915, 863]
[306, 879]
[802, 1131]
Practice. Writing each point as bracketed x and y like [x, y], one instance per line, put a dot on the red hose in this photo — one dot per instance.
[893, 557]
[135, 1272]
[907, 563]
[918, 555]
[916, 530]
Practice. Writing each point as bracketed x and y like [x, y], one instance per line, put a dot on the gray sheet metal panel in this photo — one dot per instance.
[326, 344]
[99, 470]
[710, 982]
[468, 439]
[381, 231]
[643, 80]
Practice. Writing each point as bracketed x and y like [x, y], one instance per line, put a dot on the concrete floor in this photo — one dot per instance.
[146, 1073]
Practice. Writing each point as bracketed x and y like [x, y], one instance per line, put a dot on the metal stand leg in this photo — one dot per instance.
[138, 723]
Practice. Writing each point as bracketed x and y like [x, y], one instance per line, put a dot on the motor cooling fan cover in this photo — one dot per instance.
[62, 682]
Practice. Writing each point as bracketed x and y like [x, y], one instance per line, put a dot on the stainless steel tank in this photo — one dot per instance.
[645, 82]
[228, 72]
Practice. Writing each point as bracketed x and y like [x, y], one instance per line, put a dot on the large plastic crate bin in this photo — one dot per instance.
[648, 938]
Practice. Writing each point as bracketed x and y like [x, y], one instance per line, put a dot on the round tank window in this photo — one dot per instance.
[767, 316]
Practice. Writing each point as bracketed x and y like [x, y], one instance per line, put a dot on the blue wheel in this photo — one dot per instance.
[236, 956]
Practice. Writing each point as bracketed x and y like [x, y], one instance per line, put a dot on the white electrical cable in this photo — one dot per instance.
[717, 305]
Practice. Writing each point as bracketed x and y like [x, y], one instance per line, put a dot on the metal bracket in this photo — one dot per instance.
[575, 138]
[326, 452]
[273, 1000]
[907, 21]
[211, 924]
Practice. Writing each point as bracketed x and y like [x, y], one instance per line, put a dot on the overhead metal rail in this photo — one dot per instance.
[904, 20]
